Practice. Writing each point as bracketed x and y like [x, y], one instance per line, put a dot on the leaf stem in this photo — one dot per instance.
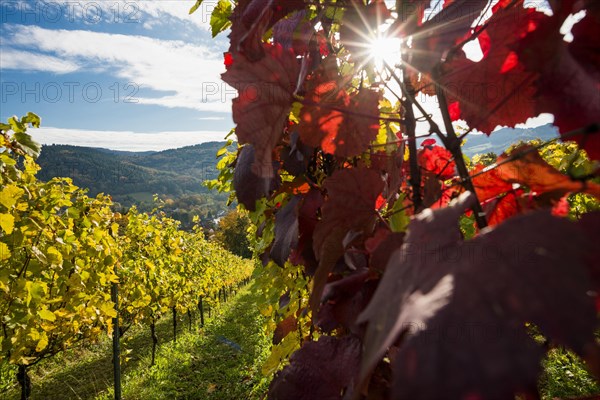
[452, 143]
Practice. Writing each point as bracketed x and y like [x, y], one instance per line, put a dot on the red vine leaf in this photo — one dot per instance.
[383, 249]
[497, 90]
[488, 184]
[339, 216]
[507, 205]
[496, 195]
[251, 19]
[264, 100]
[331, 249]
[421, 82]
[284, 328]
[460, 307]
[439, 34]
[286, 231]
[530, 169]
[569, 71]
[307, 220]
[390, 166]
[248, 186]
[294, 33]
[437, 160]
[432, 191]
[342, 124]
[319, 370]
[430, 230]
[363, 186]
[495, 191]
[344, 299]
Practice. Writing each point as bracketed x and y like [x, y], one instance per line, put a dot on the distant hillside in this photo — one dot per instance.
[132, 178]
[501, 139]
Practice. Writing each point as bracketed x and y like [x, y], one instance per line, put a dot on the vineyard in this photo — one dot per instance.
[386, 263]
[64, 256]
[396, 267]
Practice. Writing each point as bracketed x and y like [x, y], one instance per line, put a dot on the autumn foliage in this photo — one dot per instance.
[424, 272]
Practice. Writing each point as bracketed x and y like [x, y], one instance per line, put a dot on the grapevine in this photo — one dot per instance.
[394, 269]
[61, 251]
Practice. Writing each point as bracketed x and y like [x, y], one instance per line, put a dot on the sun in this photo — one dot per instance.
[385, 50]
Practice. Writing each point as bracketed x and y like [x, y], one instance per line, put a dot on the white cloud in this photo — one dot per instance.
[178, 9]
[93, 12]
[534, 122]
[124, 140]
[210, 118]
[191, 71]
[28, 61]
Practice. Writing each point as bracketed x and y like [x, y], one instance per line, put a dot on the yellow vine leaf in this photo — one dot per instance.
[47, 315]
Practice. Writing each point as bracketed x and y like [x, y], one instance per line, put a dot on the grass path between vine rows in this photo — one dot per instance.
[205, 363]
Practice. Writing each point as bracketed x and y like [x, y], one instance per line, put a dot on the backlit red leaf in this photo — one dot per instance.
[264, 100]
[439, 34]
[498, 90]
[294, 33]
[570, 72]
[251, 19]
[340, 123]
[462, 306]
[530, 169]
[437, 160]
[494, 187]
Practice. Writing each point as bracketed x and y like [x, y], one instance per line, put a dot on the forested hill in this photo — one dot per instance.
[177, 174]
[181, 171]
[132, 178]
[501, 139]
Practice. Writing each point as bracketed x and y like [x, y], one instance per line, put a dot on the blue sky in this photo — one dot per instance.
[130, 75]
[122, 74]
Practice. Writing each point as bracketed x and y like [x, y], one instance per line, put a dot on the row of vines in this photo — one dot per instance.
[395, 267]
[62, 252]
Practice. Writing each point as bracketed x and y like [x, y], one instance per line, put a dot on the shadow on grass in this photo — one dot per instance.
[86, 372]
[220, 361]
[223, 363]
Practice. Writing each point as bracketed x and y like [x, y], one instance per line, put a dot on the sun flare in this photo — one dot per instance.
[385, 50]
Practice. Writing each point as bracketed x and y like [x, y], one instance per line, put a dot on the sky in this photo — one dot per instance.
[131, 75]
[126, 75]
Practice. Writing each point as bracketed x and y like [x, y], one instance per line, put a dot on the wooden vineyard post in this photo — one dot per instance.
[201, 309]
[24, 381]
[174, 325]
[114, 293]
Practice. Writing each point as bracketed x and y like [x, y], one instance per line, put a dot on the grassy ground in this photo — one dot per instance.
[205, 363]
[565, 377]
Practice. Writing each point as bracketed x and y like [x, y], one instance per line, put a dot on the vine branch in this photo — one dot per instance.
[452, 143]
